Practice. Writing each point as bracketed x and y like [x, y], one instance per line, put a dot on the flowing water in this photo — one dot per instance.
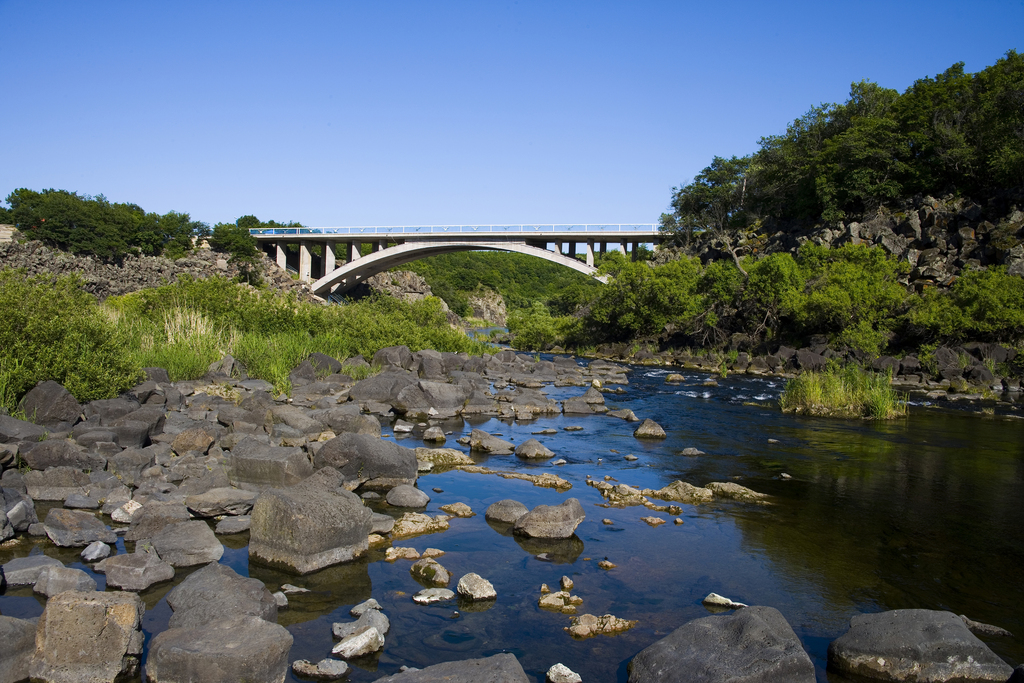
[921, 512]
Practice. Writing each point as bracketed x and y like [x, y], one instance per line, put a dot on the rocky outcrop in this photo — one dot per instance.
[488, 306]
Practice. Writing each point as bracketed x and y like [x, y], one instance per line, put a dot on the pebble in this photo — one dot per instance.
[607, 521]
[573, 428]
[560, 673]
[716, 600]
[281, 599]
[631, 457]
[560, 461]
[437, 490]
[653, 521]
[605, 564]
[429, 596]
[678, 520]
[566, 583]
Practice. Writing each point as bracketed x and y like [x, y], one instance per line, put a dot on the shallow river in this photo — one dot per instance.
[923, 512]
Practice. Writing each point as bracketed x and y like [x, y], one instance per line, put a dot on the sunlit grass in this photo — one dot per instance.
[848, 391]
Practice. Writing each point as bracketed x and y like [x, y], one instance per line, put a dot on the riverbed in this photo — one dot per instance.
[920, 512]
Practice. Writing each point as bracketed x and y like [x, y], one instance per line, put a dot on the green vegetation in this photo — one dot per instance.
[843, 392]
[57, 331]
[521, 280]
[954, 133]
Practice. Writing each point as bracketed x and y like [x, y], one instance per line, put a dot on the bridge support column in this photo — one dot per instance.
[636, 251]
[282, 256]
[328, 259]
[604, 248]
[624, 246]
[590, 253]
[558, 246]
[305, 262]
[353, 251]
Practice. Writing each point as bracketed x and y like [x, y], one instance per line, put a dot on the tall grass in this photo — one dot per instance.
[848, 391]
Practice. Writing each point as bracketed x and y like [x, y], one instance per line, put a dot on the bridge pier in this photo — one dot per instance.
[281, 255]
[328, 260]
[353, 251]
[590, 253]
[305, 262]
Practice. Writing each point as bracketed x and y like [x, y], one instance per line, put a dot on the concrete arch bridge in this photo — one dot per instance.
[393, 246]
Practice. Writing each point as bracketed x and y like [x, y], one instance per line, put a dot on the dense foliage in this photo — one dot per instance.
[851, 296]
[57, 331]
[521, 280]
[956, 133]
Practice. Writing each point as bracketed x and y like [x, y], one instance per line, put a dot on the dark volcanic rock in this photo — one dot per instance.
[754, 645]
[501, 668]
[215, 592]
[551, 521]
[371, 461]
[914, 645]
[51, 405]
[76, 528]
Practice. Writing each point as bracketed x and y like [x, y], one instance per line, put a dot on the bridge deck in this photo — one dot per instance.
[608, 232]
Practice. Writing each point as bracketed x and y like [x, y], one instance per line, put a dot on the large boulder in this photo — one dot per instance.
[17, 643]
[372, 462]
[505, 511]
[221, 501]
[13, 430]
[53, 580]
[185, 544]
[649, 429]
[215, 592]
[88, 637]
[309, 526]
[134, 571]
[914, 645]
[483, 442]
[56, 483]
[384, 387]
[260, 464]
[24, 571]
[348, 418]
[236, 648]
[500, 668]
[551, 521]
[531, 449]
[393, 357]
[153, 516]
[431, 400]
[71, 528]
[62, 453]
[51, 405]
[19, 507]
[754, 645]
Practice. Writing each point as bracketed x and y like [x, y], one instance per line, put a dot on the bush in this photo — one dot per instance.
[843, 392]
[55, 331]
[982, 305]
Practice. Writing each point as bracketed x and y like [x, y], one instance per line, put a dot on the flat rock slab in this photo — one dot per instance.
[53, 580]
[185, 544]
[755, 645]
[135, 571]
[152, 517]
[88, 637]
[502, 668]
[915, 645]
[233, 525]
[240, 648]
[215, 592]
[221, 501]
[76, 528]
[24, 571]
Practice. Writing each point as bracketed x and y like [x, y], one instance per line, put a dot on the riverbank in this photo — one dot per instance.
[729, 433]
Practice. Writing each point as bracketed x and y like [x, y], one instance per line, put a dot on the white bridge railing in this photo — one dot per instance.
[614, 228]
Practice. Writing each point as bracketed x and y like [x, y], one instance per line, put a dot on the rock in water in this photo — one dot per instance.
[135, 571]
[88, 636]
[185, 544]
[239, 648]
[914, 644]
[76, 528]
[481, 441]
[502, 668]
[505, 511]
[309, 526]
[649, 429]
[551, 521]
[560, 673]
[96, 550]
[24, 571]
[407, 496]
[428, 596]
[753, 644]
[531, 449]
[53, 580]
[215, 592]
[716, 600]
[589, 625]
[475, 587]
[431, 572]
[359, 644]
[324, 670]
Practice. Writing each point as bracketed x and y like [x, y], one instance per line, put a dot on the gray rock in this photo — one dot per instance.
[624, 414]
[62, 453]
[13, 430]
[215, 592]
[430, 399]
[237, 648]
[430, 571]
[111, 409]
[17, 643]
[221, 501]
[95, 551]
[76, 501]
[755, 644]
[370, 618]
[382, 524]
[359, 644]
[475, 587]
[195, 439]
[551, 521]
[406, 496]
[364, 606]
[347, 418]
[373, 462]
[324, 670]
[505, 511]
[184, 544]
[135, 571]
[51, 405]
[500, 668]
[233, 525]
[649, 429]
[309, 526]
[88, 636]
[481, 441]
[531, 449]
[56, 483]
[383, 388]
[53, 580]
[257, 463]
[393, 357]
[434, 435]
[153, 516]
[560, 673]
[428, 596]
[914, 644]
[69, 528]
[24, 571]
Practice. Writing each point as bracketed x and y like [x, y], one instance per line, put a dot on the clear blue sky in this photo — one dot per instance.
[398, 113]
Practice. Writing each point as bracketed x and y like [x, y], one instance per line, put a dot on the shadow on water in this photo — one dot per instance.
[918, 512]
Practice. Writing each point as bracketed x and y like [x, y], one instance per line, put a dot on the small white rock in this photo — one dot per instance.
[281, 599]
[560, 673]
[358, 610]
[432, 595]
[476, 587]
[96, 550]
[124, 514]
[716, 600]
[360, 644]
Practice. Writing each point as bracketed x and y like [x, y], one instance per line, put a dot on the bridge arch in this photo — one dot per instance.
[351, 274]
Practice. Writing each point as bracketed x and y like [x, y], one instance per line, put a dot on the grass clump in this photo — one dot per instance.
[848, 391]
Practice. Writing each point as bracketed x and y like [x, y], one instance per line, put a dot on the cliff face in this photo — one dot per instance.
[489, 306]
[132, 273]
[404, 285]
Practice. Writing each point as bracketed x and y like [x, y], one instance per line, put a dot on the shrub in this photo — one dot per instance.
[843, 392]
